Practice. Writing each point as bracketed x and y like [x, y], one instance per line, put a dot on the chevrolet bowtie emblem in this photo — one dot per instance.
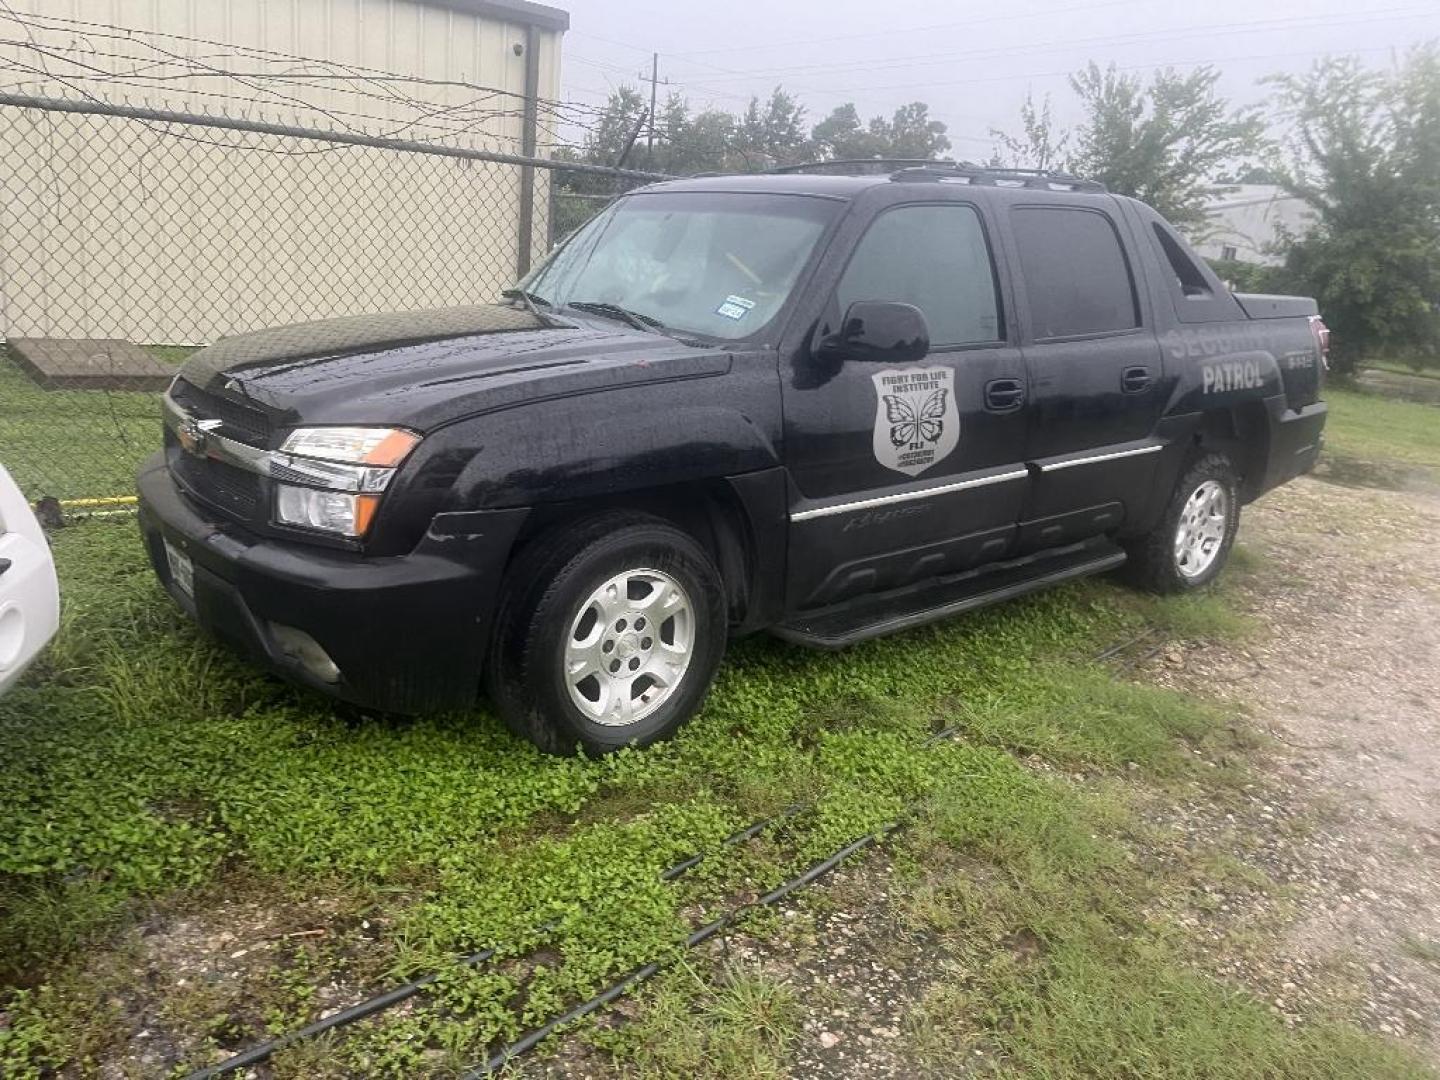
[193, 433]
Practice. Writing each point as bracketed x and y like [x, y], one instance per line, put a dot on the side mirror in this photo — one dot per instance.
[879, 332]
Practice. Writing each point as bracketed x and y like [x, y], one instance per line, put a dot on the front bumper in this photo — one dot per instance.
[408, 632]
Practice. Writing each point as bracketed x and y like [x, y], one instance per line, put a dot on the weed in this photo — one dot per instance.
[735, 1022]
[1425, 950]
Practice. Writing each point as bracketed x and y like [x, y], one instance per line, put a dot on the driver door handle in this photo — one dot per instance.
[1004, 395]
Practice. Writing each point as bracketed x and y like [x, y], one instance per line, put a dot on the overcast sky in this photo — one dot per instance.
[971, 62]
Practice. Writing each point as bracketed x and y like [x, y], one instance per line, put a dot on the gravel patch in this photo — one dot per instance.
[1346, 677]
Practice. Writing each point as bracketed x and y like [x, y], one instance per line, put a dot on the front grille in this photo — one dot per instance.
[244, 422]
[216, 482]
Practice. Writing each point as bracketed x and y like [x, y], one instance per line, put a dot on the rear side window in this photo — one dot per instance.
[1076, 274]
[936, 258]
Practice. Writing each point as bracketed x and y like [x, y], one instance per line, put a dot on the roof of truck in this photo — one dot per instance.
[847, 179]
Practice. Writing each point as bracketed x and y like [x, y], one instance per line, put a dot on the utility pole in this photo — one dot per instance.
[654, 80]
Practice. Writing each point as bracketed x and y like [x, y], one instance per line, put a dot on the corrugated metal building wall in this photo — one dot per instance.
[113, 227]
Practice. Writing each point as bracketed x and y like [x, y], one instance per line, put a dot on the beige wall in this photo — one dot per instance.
[119, 228]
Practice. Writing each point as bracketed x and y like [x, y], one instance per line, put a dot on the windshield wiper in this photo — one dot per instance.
[648, 323]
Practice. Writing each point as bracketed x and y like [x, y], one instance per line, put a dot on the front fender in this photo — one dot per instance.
[614, 440]
[636, 441]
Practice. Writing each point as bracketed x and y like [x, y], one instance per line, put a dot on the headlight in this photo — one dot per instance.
[352, 445]
[330, 478]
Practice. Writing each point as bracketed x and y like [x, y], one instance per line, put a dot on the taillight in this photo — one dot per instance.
[1322, 339]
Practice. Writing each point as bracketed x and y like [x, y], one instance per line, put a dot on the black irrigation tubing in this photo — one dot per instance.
[1115, 650]
[379, 1003]
[528, 1042]
[1130, 663]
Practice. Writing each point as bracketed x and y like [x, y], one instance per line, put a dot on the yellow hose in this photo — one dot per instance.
[114, 500]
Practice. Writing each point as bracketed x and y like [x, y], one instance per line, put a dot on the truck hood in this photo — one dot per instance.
[423, 369]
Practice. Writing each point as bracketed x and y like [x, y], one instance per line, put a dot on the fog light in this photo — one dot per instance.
[303, 648]
[341, 512]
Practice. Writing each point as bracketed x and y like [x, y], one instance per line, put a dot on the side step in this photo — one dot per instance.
[878, 614]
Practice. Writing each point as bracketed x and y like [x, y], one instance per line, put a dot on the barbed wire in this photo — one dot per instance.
[106, 62]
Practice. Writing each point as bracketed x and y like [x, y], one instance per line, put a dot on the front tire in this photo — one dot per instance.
[1191, 544]
[609, 635]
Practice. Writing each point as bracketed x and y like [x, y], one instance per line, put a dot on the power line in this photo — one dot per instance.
[1137, 37]
[1152, 66]
[879, 32]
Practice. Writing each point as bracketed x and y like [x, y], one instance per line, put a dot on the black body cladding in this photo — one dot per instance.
[1076, 357]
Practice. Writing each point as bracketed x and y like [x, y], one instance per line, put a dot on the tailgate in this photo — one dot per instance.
[1296, 332]
[1267, 306]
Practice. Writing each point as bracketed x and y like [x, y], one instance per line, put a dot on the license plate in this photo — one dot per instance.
[182, 570]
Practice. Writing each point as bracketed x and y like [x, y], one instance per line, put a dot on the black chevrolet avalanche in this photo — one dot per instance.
[831, 407]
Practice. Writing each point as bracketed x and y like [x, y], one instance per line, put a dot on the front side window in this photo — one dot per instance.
[936, 258]
[1076, 276]
[711, 263]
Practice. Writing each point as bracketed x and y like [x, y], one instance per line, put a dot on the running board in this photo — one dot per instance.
[878, 614]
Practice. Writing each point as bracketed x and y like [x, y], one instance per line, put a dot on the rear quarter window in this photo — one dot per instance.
[1196, 292]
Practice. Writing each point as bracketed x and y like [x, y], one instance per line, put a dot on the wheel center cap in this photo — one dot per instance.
[627, 646]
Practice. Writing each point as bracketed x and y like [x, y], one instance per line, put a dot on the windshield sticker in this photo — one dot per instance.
[735, 307]
[916, 423]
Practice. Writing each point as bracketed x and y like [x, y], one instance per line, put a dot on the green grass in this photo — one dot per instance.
[1037, 898]
[73, 444]
[1398, 367]
[1373, 428]
[1098, 1006]
[139, 764]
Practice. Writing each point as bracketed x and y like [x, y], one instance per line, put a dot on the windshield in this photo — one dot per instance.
[720, 265]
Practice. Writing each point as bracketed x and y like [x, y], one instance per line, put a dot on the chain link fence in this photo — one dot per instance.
[124, 227]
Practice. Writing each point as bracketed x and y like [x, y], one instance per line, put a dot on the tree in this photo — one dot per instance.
[765, 135]
[909, 133]
[611, 132]
[840, 135]
[1040, 147]
[774, 133]
[1163, 143]
[1365, 157]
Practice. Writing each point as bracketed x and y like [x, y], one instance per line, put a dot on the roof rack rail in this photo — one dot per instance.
[851, 163]
[994, 176]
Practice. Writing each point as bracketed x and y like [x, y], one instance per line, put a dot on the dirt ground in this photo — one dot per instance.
[1346, 675]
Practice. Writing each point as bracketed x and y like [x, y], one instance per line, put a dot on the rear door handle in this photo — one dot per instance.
[4, 565]
[1135, 380]
[1004, 395]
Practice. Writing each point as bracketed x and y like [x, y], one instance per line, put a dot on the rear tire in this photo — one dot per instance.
[1190, 545]
[609, 635]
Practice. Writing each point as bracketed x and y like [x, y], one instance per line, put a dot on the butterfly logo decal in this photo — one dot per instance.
[910, 423]
[917, 424]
